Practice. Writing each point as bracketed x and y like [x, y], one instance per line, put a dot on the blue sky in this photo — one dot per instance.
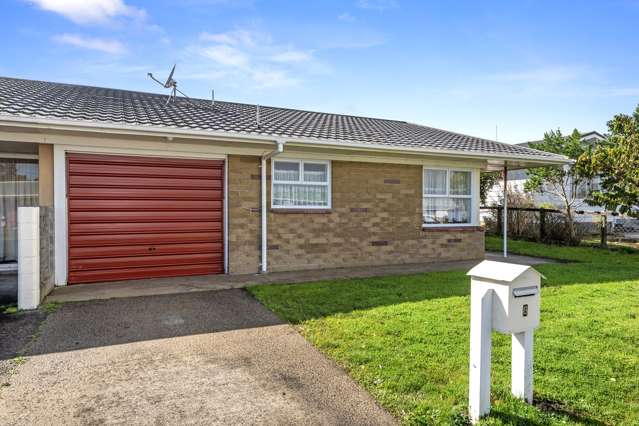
[468, 66]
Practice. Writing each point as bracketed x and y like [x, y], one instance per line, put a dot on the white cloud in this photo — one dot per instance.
[112, 47]
[226, 55]
[89, 11]
[238, 37]
[379, 5]
[273, 78]
[251, 59]
[346, 17]
[292, 56]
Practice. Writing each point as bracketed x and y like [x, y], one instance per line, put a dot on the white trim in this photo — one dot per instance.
[226, 215]
[60, 195]
[60, 214]
[301, 181]
[474, 196]
[263, 218]
[57, 124]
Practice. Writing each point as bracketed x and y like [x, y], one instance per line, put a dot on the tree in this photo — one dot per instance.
[487, 181]
[561, 182]
[616, 162]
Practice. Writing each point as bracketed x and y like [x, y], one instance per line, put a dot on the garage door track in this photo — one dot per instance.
[200, 358]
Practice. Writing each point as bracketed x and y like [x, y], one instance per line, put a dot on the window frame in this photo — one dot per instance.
[301, 162]
[474, 202]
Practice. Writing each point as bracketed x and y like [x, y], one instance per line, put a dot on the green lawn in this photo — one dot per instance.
[405, 339]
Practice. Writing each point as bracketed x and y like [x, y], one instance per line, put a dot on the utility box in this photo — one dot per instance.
[517, 288]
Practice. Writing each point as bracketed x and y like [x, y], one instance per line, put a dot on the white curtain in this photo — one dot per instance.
[459, 183]
[296, 195]
[311, 189]
[286, 171]
[446, 210]
[315, 172]
[18, 188]
[435, 182]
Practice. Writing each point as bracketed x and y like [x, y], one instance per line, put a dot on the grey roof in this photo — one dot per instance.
[40, 99]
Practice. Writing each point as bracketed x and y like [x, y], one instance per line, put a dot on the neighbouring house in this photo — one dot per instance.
[132, 185]
[517, 180]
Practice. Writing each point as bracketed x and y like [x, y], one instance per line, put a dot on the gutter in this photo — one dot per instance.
[263, 211]
[170, 133]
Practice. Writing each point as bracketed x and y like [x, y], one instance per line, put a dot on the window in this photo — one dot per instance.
[301, 184]
[447, 196]
[18, 188]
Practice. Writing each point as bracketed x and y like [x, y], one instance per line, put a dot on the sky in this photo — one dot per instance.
[510, 70]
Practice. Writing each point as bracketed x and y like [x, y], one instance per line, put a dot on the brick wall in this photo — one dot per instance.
[375, 220]
[244, 216]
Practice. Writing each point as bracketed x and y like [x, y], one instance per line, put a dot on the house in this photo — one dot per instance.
[517, 180]
[135, 185]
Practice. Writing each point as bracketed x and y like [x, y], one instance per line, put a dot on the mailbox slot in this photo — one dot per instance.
[525, 291]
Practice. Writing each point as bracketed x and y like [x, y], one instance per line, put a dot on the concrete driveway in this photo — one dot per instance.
[200, 358]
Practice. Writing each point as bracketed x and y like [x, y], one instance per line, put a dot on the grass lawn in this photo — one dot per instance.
[405, 339]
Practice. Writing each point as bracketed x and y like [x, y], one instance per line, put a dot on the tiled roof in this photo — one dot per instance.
[39, 99]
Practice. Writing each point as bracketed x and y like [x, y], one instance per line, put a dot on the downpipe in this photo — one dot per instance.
[264, 214]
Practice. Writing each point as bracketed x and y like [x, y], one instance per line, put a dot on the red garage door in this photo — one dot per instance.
[141, 217]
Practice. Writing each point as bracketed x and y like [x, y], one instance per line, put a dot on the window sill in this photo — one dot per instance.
[301, 211]
[451, 228]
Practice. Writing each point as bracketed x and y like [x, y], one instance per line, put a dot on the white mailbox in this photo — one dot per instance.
[503, 297]
[515, 306]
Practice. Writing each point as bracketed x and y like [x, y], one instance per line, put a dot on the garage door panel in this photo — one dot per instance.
[101, 160]
[144, 227]
[147, 171]
[125, 205]
[139, 193]
[140, 273]
[145, 250]
[138, 217]
[145, 216]
[143, 261]
[82, 241]
[145, 182]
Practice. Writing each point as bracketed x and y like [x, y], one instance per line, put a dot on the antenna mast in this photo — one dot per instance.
[171, 84]
[257, 115]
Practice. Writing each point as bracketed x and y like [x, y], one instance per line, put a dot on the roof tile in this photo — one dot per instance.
[39, 99]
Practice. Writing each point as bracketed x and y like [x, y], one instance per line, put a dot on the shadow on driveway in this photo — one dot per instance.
[81, 325]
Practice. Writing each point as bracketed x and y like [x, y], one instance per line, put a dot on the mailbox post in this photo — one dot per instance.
[503, 297]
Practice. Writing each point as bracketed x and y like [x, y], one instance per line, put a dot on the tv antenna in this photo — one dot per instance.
[170, 83]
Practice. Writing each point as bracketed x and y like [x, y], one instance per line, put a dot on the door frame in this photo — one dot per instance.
[60, 200]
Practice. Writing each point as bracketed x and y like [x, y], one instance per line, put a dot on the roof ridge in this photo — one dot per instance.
[200, 99]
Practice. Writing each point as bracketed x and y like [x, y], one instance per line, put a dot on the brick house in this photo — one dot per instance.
[132, 186]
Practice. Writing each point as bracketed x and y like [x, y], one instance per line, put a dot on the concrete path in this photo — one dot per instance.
[199, 358]
[157, 286]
